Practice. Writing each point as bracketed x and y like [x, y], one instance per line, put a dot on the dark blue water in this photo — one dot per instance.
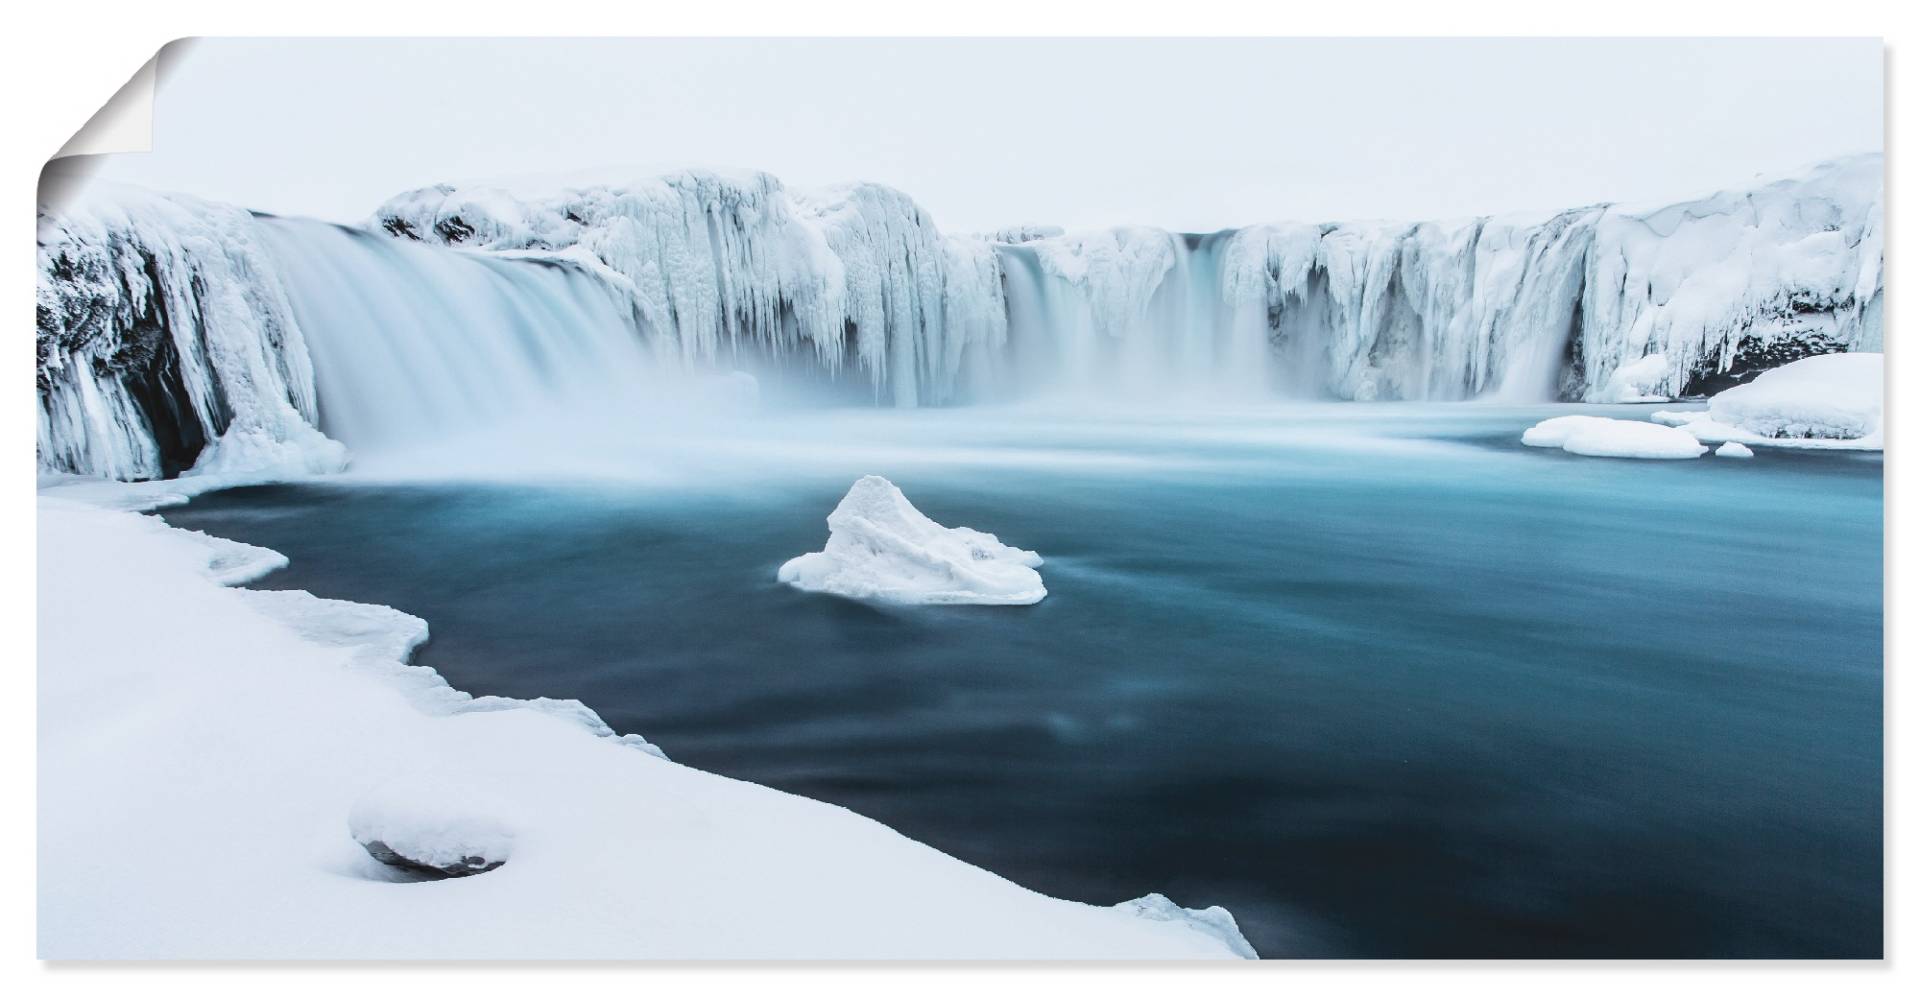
[1451, 700]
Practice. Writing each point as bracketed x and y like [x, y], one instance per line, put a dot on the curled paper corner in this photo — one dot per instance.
[124, 123]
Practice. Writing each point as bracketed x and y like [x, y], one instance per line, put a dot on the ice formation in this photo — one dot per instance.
[728, 267]
[1733, 449]
[1836, 396]
[880, 547]
[174, 332]
[202, 762]
[165, 337]
[1831, 401]
[1589, 435]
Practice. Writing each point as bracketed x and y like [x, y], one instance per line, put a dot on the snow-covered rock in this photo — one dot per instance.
[1735, 450]
[1591, 435]
[880, 547]
[1830, 402]
[1836, 396]
[205, 771]
[429, 825]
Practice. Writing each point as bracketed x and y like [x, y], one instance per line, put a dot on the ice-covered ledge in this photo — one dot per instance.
[200, 760]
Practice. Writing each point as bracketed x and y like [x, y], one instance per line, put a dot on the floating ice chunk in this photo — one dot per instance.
[880, 547]
[1835, 396]
[1733, 449]
[1556, 431]
[1590, 435]
[1638, 440]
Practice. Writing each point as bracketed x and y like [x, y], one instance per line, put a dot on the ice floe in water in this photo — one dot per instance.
[880, 547]
[1733, 449]
[1592, 435]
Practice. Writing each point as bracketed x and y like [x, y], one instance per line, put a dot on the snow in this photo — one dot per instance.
[1590, 435]
[1834, 401]
[1797, 258]
[430, 825]
[1836, 396]
[1733, 449]
[205, 769]
[1556, 431]
[880, 547]
[721, 262]
[165, 322]
[135, 287]
[1630, 384]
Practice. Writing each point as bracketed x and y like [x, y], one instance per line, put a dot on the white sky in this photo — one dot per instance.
[1188, 134]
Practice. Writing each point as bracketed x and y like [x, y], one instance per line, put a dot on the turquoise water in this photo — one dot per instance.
[1379, 680]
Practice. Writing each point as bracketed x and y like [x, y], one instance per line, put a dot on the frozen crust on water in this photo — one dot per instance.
[1591, 435]
[236, 774]
[880, 547]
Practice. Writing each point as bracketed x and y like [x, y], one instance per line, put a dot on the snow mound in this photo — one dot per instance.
[880, 547]
[1733, 449]
[1556, 431]
[1591, 435]
[1830, 402]
[1835, 396]
[432, 828]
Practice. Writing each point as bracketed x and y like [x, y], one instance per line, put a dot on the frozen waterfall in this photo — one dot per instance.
[177, 336]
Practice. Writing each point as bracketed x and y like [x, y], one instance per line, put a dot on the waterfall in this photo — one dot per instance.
[410, 343]
[176, 336]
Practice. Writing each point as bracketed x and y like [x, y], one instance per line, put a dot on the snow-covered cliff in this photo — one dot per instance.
[165, 343]
[166, 324]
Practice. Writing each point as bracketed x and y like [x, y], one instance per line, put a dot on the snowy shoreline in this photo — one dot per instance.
[200, 762]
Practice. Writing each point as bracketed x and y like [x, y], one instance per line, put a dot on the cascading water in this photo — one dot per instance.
[1132, 315]
[178, 336]
[410, 343]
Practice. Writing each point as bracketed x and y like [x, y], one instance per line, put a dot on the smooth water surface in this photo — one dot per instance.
[1382, 683]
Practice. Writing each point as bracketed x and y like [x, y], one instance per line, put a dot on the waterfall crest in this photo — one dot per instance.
[177, 336]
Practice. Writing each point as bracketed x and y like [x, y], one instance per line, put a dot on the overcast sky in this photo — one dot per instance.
[1185, 134]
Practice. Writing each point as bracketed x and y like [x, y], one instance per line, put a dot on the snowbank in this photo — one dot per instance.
[1837, 396]
[880, 547]
[1591, 435]
[1835, 401]
[204, 769]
